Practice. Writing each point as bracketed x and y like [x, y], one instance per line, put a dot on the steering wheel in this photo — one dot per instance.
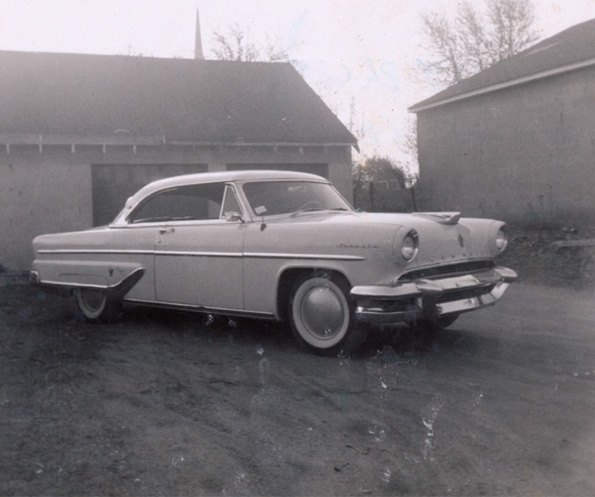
[310, 204]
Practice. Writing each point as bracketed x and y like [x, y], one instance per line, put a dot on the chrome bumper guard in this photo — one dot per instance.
[431, 298]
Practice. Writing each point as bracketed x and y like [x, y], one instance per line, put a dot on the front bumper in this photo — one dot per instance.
[431, 298]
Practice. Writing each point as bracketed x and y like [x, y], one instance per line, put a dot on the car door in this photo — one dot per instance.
[198, 252]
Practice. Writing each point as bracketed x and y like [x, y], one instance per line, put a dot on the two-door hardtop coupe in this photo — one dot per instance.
[278, 245]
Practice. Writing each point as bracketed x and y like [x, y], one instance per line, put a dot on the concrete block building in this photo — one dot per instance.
[517, 140]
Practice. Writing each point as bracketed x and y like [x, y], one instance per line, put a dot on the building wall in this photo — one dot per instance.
[38, 197]
[525, 154]
[51, 190]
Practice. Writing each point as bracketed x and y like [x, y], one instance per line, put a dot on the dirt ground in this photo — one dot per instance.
[533, 253]
[165, 403]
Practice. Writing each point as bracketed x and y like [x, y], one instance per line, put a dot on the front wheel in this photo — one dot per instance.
[95, 306]
[321, 315]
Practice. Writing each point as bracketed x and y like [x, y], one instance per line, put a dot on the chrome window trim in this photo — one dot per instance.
[180, 223]
[231, 187]
[151, 196]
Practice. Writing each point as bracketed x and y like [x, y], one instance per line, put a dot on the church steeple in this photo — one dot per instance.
[198, 54]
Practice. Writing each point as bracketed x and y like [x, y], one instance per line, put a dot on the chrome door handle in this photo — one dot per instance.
[163, 231]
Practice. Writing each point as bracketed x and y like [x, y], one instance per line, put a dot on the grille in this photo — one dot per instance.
[447, 270]
[464, 294]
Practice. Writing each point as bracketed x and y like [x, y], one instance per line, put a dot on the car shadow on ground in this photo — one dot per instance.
[68, 338]
[277, 336]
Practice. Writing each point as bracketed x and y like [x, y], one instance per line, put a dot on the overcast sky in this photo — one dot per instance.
[361, 51]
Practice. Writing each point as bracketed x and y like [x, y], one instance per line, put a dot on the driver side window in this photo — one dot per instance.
[193, 202]
[230, 203]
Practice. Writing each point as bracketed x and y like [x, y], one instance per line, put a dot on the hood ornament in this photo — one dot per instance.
[461, 240]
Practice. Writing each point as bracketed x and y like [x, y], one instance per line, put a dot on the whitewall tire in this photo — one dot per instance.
[94, 305]
[321, 315]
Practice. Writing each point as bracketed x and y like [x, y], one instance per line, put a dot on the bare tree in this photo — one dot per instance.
[235, 44]
[475, 40]
[444, 43]
[512, 20]
[358, 181]
[374, 175]
[409, 164]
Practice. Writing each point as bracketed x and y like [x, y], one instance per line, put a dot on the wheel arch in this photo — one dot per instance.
[289, 275]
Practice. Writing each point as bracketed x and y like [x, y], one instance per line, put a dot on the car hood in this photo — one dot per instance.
[437, 222]
[444, 237]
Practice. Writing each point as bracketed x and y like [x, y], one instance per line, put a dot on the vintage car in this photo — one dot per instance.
[278, 245]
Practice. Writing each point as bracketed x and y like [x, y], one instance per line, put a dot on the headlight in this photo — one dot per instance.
[409, 246]
[501, 240]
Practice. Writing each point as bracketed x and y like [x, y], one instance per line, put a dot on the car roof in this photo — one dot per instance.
[224, 176]
[214, 177]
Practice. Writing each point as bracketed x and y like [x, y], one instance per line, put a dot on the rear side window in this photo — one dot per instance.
[194, 202]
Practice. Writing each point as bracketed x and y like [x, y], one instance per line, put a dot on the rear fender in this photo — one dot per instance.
[116, 278]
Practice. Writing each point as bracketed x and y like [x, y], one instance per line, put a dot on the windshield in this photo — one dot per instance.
[284, 197]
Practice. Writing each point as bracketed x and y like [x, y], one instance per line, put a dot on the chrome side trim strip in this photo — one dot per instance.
[74, 285]
[260, 255]
[133, 277]
[200, 308]
[139, 252]
[304, 256]
[94, 251]
[189, 253]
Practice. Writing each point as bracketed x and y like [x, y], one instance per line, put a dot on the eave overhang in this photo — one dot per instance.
[8, 140]
[501, 86]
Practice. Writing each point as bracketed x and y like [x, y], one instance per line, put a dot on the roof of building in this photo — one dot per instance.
[569, 50]
[152, 100]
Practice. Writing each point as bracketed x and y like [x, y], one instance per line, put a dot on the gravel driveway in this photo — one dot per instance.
[164, 403]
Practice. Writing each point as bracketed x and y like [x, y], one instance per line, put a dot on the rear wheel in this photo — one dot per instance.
[95, 306]
[321, 315]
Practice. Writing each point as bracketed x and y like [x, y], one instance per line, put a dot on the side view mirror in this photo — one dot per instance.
[233, 216]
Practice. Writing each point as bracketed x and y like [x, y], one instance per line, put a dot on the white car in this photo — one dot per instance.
[278, 245]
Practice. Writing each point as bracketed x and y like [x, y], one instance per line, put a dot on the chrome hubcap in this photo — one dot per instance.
[322, 312]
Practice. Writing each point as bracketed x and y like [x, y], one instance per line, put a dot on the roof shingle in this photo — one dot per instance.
[183, 100]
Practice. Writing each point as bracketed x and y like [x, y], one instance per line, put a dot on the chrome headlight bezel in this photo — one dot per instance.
[500, 240]
[409, 246]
